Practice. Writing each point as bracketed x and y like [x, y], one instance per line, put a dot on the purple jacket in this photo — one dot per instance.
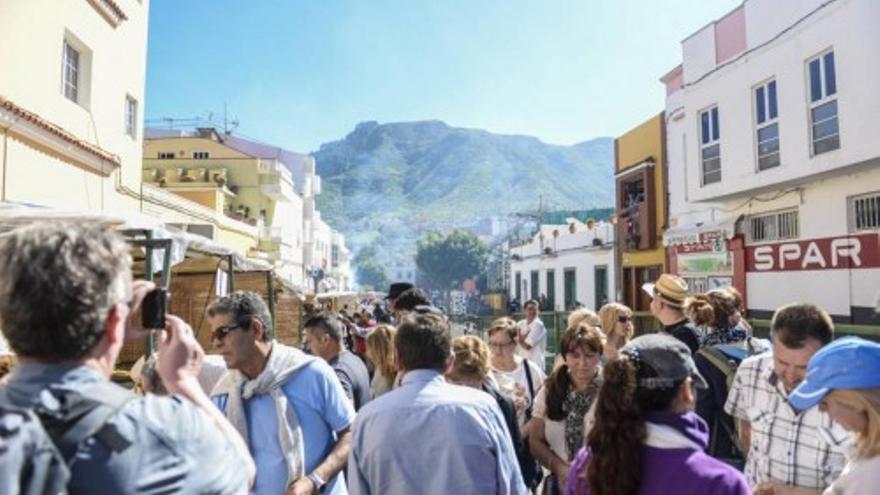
[684, 469]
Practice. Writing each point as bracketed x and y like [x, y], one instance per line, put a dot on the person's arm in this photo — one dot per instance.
[333, 463]
[745, 435]
[180, 359]
[544, 454]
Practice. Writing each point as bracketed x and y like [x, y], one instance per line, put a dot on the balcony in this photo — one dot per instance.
[278, 192]
[272, 234]
[276, 169]
[636, 228]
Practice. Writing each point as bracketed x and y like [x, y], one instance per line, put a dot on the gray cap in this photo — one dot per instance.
[667, 356]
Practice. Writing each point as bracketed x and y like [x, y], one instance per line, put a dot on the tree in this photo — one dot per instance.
[446, 261]
[371, 274]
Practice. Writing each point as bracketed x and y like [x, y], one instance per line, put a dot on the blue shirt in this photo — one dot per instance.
[323, 409]
[431, 437]
[175, 447]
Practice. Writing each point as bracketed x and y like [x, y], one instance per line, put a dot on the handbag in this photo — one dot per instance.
[533, 473]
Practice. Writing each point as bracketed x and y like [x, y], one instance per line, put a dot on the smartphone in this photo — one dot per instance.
[153, 308]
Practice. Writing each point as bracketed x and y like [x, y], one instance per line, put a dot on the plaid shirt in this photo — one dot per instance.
[801, 449]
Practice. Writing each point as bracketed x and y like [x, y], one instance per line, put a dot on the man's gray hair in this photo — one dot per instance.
[244, 307]
[58, 281]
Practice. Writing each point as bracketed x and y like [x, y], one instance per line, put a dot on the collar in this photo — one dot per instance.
[676, 431]
[421, 376]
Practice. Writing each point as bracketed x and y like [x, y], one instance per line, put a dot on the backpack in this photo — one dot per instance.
[38, 444]
[727, 358]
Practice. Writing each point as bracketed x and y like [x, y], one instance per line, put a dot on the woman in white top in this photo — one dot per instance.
[843, 379]
[512, 372]
[557, 430]
[380, 352]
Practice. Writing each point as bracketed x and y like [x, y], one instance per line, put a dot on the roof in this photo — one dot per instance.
[58, 131]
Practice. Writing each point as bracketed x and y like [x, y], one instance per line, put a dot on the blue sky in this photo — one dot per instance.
[298, 73]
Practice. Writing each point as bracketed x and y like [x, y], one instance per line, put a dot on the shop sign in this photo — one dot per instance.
[831, 253]
[704, 263]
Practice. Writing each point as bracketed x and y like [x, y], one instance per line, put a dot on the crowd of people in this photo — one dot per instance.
[386, 401]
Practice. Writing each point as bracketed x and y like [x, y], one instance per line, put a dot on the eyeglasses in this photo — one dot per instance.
[624, 318]
[221, 332]
[499, 346]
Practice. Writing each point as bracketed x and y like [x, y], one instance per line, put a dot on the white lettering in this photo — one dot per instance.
[764, 258]
[788, 252]
[813, 255]
[849, 247]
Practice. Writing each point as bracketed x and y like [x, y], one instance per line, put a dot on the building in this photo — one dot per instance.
[71, 99]
[640, 185]
[568, 264]
[340, 263]
[774, 162]
[247, 197]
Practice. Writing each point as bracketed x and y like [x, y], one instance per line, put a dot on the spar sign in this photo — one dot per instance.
[830, 253]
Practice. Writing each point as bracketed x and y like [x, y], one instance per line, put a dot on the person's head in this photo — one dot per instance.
[241, 328]
[471, 364]
[797, 332]
[668, 298]
[64, 292]
[409, 299]
[380, 350]
[738, 302]
[394, 291]
[616, 320]
[714, 309]
[423, 342]
[530, 308]
[324, 335]
[583, 315]
[843, 379]
[580, 347]
[502, 338]
[655, 373]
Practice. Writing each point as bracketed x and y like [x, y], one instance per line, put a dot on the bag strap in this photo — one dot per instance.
[528, 369]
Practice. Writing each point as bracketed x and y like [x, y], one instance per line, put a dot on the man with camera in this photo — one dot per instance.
[66, 305]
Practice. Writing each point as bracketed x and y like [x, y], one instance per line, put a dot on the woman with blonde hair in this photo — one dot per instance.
[583, 315]
[617, 325]
[380, 352]
[843, 379]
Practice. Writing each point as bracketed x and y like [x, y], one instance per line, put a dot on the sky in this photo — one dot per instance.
[299, 73]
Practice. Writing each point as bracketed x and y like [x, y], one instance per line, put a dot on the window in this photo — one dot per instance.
[551, 289]
[866, 212]
[570, 288]
[518, 278]
[131, 106]
[535, 285]
[766, 125]
[201, 155]
[824, 129]
[710, 146]
[601, 283]
[776, 226]
[71, 72]
[166, 155]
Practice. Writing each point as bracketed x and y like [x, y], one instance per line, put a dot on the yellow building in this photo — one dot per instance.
[243, 199]
[640, 176]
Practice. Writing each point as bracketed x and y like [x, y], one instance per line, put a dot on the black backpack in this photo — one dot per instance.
[38, 444]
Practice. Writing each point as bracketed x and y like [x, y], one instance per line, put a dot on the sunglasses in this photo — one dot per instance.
[221, 332]
[624, 318]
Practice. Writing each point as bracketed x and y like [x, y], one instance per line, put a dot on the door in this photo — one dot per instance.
[601, 284]
[570, 283]
[551, 289]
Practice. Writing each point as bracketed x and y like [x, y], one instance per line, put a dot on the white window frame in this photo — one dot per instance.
[714, 140]
[71, 68]
[872, 202]
[201, 155]
[131, 115]
[775, 216]
[823, 100]
[165, 155]
[768, 122]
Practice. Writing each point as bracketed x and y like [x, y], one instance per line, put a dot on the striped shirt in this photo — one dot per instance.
[803, 449]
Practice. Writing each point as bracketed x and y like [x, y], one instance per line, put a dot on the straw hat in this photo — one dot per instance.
[669, 289]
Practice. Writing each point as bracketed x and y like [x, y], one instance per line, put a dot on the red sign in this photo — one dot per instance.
[830, 253]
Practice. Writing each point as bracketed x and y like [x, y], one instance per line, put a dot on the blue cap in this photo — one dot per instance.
[848, 363]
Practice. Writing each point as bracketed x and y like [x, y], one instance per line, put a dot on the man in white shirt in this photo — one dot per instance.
[532, 340]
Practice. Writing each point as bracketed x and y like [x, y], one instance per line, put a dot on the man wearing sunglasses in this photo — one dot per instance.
[289, 406]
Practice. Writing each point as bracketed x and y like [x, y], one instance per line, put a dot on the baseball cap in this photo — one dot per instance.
[847, 363]
[668, 288]
[669, 357]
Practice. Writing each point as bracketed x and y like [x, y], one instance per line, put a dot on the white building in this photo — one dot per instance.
[71, 100]
[340, 262]
[774, 161]
[568, 264]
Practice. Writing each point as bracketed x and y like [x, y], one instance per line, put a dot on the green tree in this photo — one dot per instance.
[445, 261]
[372, 274]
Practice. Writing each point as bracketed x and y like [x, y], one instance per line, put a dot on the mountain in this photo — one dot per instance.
[384, 184]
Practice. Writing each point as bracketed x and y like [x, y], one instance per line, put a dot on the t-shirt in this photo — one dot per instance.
[554, 431]
[380, 384]
[515, 384]
[536, 336]
[859, 477]
[322, 408]
[355, 379]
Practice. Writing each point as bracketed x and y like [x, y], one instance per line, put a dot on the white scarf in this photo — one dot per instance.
[667, 437]
[283, 363]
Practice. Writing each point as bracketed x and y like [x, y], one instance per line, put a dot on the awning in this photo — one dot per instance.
[700, 232]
